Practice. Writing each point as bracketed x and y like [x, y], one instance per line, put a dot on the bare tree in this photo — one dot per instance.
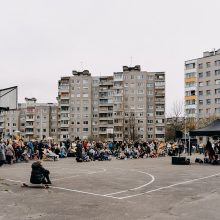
[174, 121]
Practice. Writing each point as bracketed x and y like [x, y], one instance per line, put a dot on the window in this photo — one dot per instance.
[208, 111]
[200, 84]
[150, 77]
[217, 72]
[149, 85]
[190, 102]
[150, 92]
[217, 100]
[190, 111]
[200, 93]
[217, 81]
[200, 111]
[208, 83]
[200, 75]
[85, 129]
[140, 98]
[217, 63]
[208, 101]
[208, 92]
[140, 77]
[190, 66]
[159, 113]
[200, 102]
[189, 75]
[200, 65]
[140, 84]
[217, 91]
[208, 64]
[44, 130]
[85, 81]
[217, 110]
[85, 109]
[85, 122]
[208, 73]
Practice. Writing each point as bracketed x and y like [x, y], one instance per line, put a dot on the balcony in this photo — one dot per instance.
[64, 125]
[64, 132]
[63, 88]
[159, 100]
[29, 119]
[106, 83]
[118, 77]
[118, 124]
[103, 132]
[29, 126]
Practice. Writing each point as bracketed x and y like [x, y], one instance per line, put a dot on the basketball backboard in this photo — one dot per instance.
[8, 98]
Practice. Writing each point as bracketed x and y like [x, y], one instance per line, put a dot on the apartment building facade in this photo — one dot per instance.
[202, 86]
[127, 105]
[75, 106]
[139, 104]
[32, 120]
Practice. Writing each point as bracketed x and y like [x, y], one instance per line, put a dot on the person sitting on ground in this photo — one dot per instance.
[39, 175]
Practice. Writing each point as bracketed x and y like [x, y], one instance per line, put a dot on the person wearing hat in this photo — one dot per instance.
[39, 175]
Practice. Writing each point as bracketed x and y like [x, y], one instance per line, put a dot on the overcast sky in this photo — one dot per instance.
[42, 40]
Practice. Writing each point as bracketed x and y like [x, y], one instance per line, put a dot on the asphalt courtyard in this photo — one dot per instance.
[149, 188]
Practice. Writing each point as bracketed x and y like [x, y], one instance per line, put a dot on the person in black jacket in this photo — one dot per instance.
[39, 174]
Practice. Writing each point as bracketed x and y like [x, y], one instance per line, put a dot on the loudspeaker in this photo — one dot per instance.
[180, 161]
[179, 134]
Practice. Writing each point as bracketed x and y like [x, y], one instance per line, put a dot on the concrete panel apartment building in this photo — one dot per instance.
[128, 105]
[202, 86]
[33, 120]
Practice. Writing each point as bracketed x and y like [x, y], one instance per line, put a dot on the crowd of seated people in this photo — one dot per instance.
[84, 151]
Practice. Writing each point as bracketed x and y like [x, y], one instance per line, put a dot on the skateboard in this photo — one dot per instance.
[44, 186]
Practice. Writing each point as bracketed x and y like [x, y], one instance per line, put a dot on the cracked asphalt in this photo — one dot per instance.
[149, 188]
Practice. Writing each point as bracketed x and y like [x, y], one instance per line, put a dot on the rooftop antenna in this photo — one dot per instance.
[81, 64]
[131, 61]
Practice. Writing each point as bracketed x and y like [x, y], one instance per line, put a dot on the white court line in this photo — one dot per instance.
[125, 197]
[16, 181]
[66, 189]
[89, 173]
[83, 192]
[152, 180]
[166, 187]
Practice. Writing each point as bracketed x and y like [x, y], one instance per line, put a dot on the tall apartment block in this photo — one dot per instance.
[139, 104]
[202, 86]
[75, 106]
[33, 120]
[127, 105]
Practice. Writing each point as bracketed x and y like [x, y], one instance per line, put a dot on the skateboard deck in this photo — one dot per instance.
[44, 186]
